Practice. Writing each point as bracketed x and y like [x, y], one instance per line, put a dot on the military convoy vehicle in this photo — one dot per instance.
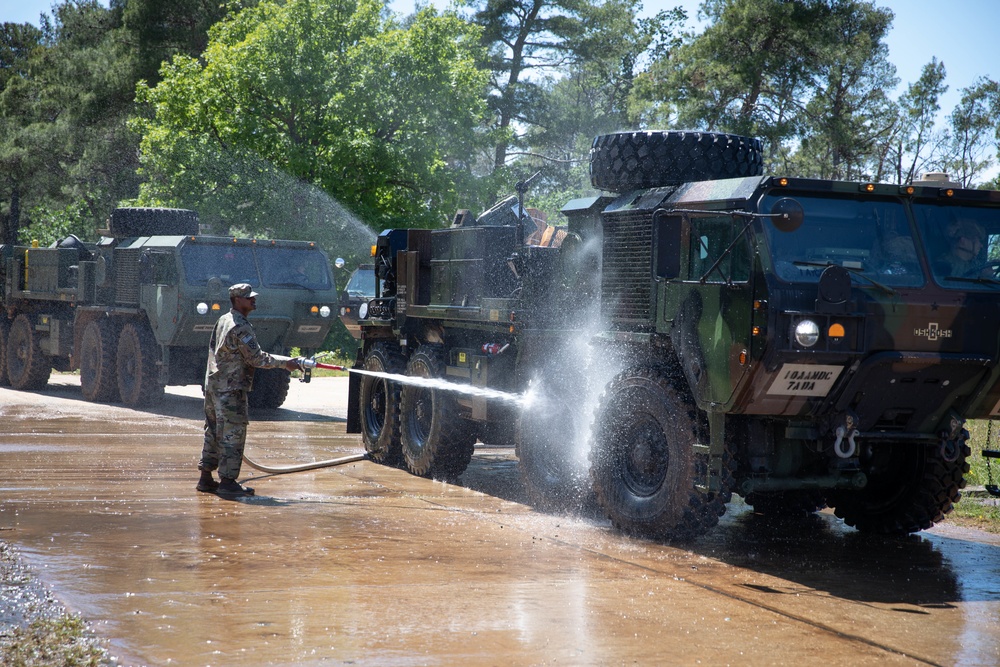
[799, 342]
[360, 289]
[134, 311]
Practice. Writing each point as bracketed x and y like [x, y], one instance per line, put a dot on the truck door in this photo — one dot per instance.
[712, 304]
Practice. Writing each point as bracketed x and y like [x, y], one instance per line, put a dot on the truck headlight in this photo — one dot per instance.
[363, 311]
[202, 308]
[324, 311]
[806, 333]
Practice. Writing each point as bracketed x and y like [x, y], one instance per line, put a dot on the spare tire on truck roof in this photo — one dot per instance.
[634, 160]
[133, 222]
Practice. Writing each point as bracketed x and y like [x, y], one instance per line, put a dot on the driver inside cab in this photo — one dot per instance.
[964, 256]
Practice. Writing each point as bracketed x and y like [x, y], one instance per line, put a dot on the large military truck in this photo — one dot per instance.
[799, 342]
[488, 303]
[135, 310]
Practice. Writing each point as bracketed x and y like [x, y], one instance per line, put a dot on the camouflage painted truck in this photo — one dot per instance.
[134, 311]
[799, 342]
[488, 303]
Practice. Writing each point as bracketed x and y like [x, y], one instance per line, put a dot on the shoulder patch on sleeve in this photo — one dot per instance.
[246, 338]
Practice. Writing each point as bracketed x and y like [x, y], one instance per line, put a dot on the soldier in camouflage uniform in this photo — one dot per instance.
[233, 353]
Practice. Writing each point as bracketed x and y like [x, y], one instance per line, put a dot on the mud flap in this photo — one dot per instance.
[353, 394]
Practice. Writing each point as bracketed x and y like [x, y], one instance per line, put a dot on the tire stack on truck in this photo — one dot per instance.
[799, 342]
[134, 311]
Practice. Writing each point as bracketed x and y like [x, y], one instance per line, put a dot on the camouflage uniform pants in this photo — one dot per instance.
[225, 432]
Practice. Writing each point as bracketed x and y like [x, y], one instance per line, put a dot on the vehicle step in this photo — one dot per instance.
[991, 453]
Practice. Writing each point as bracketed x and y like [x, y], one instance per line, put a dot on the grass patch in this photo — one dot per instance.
[978, 509]
[50, 642]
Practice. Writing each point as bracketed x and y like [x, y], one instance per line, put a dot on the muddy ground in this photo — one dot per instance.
[367, 565]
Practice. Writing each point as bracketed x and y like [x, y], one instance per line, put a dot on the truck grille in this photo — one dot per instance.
[626, 282]
[127, 275]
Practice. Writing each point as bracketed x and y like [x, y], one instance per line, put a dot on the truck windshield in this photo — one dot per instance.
[298, 268]
[963, 243]
[295, 268]
[362, 282]
[231, 264]
[872, 238]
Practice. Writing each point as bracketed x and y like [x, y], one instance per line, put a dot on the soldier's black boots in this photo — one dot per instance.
[230, 490]
[207, 483]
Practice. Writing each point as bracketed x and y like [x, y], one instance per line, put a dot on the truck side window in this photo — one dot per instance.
[710, 239]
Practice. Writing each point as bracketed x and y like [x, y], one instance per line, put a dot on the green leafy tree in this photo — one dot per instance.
[590, 99]
[847, 116]
[154, 31]
[917, 143]
[65, 144]
[527, 41]
[745, 73]
[303, 114]
[973, 135]
[17, 42]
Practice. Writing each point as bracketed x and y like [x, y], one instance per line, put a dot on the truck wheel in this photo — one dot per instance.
[4, 334]
[138, 374]
[632, 160]
[379, 405]
[27, 367]
[643, 462]
[910, 488]
[551, 455]
[787, 504]
[436, 440]
[270, 388]
[98, 373]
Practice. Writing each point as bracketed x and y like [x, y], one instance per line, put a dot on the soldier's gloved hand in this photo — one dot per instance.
[294, 364]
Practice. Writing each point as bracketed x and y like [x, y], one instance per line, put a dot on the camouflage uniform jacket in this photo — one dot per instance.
[233, 353]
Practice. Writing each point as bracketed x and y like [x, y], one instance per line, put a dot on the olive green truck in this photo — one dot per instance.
[134, 311]
[799, 342]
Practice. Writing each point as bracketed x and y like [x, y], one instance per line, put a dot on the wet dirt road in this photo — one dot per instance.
[367, 565]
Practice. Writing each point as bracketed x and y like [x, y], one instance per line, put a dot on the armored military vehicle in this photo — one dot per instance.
[799, 342]
[135, 310]
[360, 289]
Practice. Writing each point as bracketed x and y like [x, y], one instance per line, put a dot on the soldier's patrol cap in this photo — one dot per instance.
[243, 290]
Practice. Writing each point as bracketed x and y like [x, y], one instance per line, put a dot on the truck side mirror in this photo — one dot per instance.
[339, 262]
[787, 214]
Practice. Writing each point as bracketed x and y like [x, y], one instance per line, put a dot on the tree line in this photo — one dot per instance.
[317, 118]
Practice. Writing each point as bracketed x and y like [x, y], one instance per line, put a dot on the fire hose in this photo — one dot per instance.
[307, 365]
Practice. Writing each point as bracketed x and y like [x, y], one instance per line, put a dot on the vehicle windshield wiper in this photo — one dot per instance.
[298, 285]
[981, 280]
[853, 271]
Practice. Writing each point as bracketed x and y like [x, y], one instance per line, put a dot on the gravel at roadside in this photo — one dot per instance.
[36, 630]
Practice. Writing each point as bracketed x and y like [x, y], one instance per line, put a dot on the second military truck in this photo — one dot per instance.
[134, 311]
[799, 342]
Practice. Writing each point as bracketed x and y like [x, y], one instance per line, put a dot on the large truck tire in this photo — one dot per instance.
[378, 405]
[98, 365]
[551, 454]
[270, 388]
[131, 222]
[27, 367]
[643, 462]
[437, 441]
[4, 333]
[910, 488]
[136, 365]
[634, 160]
